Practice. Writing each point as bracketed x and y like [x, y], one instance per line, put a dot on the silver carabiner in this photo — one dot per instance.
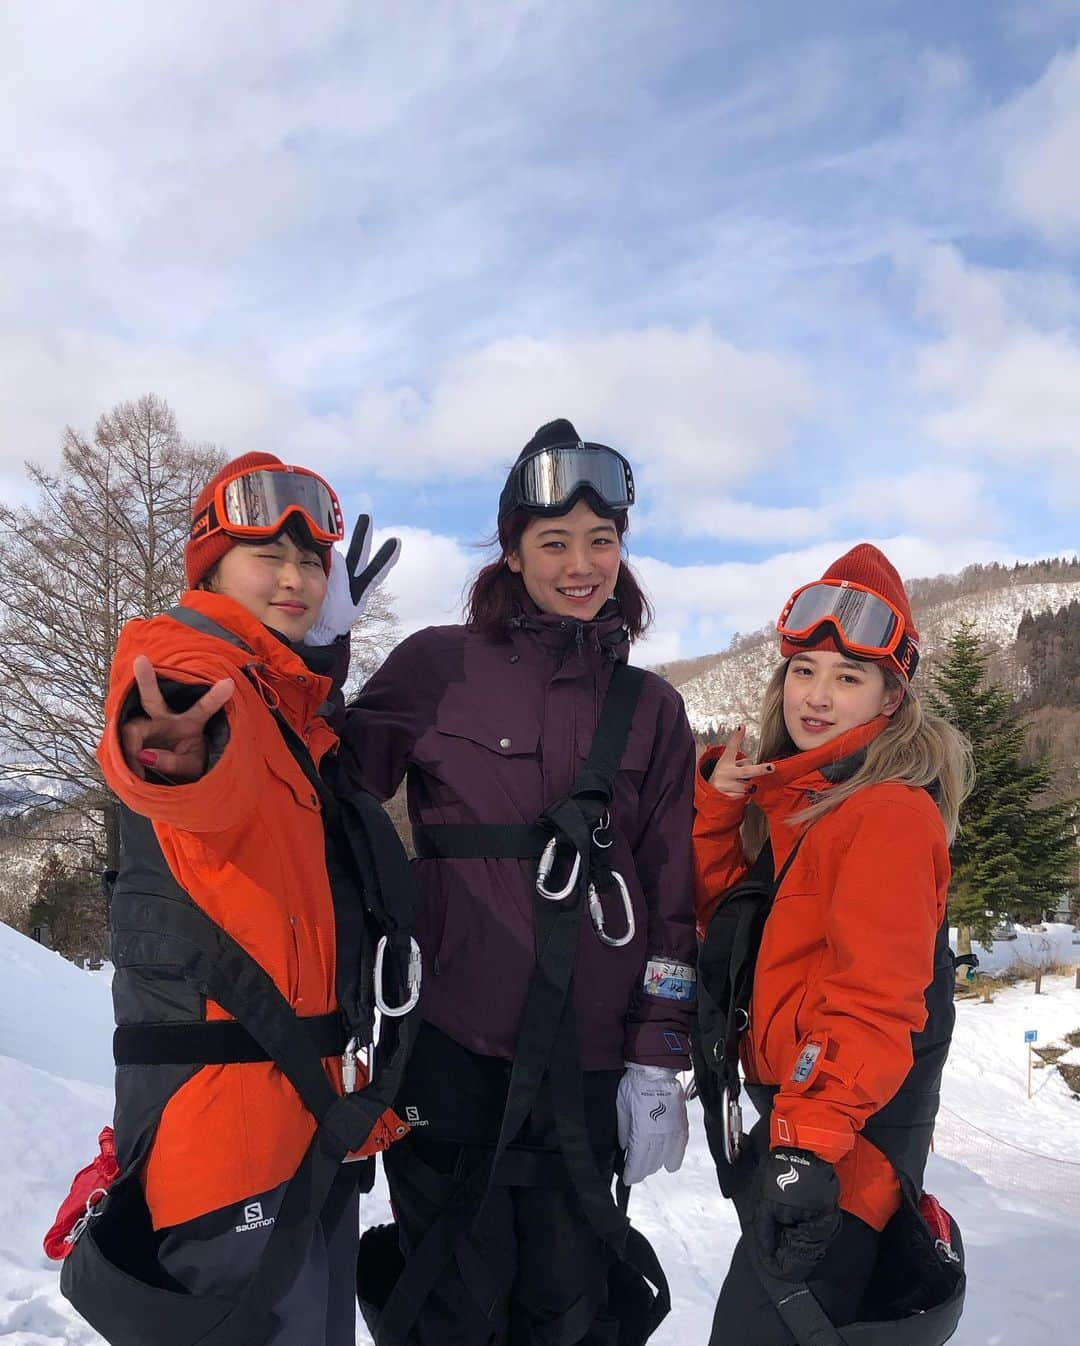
[413, 978]
[94, 1208]
[348, 1066]
[603, 826]
[544, 867]
[597, 914]
[731, 1119]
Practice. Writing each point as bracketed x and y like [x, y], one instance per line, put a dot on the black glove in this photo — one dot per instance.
[796, 1215]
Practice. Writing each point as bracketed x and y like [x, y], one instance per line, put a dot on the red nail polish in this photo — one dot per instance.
[146, 757]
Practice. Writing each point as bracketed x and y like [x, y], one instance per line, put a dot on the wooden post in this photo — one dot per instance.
[1038, 981]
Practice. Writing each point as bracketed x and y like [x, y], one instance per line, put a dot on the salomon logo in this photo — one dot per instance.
[253, 1218]
[412, 1116]
[786, 1179]
[658, 1111]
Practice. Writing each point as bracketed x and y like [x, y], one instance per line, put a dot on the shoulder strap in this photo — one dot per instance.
[613, 727]
[198, 621]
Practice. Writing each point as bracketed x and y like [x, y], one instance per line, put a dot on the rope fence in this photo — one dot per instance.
[1043, 1179]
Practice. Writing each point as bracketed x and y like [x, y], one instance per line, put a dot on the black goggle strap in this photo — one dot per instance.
[206, 521]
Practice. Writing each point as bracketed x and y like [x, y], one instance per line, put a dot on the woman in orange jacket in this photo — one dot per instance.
[857, 790]
[214, 742]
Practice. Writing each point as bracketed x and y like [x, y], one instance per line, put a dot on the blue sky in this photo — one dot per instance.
[815, 269]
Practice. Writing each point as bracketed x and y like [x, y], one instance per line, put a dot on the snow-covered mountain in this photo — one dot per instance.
[727, 691]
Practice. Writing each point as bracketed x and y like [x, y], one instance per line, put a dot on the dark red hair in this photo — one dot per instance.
[497, 594]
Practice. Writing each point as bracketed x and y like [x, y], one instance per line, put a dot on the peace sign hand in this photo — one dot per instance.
[171, 743]
[731, 777]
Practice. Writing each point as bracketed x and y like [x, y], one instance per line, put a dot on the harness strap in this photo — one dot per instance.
[471, 841]
[214, 1042]
[218, 966]
[546, 1044]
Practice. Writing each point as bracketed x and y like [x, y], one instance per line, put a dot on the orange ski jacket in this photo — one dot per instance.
[846, 957]
[246, 843]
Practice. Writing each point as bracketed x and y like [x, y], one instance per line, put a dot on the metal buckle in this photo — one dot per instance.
[348, 1066]
[597, 914]
[544, 867]
[93, 1210]
[603, 827]
[731, 1119]
[413, 978]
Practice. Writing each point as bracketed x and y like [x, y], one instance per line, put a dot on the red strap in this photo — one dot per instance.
[937, 1219]
[87, 1188]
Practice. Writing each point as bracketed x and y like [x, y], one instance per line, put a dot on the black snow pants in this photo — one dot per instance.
[527, 1252]
[218, 1252]
[746, 1316]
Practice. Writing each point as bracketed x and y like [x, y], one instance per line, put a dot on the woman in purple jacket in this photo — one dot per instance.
[555, 920]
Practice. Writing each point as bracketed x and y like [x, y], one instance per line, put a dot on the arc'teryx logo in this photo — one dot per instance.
[786, 1179]
[253, 1218]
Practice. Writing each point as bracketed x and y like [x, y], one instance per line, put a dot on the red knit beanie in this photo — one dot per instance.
[866, 565]
[203, 553]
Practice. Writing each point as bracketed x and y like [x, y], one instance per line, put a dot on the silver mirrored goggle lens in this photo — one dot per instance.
[863, 618]
[259, 499]
[551, 476]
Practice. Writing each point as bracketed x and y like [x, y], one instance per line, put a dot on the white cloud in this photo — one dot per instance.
[428, 582]
[689, 407]
[699, 607]
[70, 378]
[936, 501]
[1004, 377]
[1039, 135]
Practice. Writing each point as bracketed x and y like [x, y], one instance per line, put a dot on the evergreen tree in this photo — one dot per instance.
[1012, 858]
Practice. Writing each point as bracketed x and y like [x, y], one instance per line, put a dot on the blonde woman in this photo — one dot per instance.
[857, 793]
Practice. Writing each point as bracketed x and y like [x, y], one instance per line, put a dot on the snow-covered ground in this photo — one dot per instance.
[1008, 1168]
[1034, 947]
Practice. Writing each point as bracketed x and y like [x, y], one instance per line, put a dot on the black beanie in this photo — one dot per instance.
[560, 431]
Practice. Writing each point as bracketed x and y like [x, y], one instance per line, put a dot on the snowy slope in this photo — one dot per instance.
[730, 691]
[1007, 1168]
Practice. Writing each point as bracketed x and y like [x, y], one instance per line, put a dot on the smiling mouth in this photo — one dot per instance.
[580, 591]
[811, 723]
[291, 607]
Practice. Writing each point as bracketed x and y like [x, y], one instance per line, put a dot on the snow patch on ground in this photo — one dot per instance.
[1007, 1168]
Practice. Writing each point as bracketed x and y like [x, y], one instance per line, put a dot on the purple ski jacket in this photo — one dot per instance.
[491, 731]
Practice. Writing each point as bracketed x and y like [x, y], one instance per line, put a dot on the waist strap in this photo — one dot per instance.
[480, 841]
[215, 1042]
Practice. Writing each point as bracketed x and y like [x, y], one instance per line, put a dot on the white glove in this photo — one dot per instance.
[653, 1126]
[352, 577]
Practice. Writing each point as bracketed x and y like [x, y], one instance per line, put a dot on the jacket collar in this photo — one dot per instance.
[269, 647]
[605, 636]
[818, 769]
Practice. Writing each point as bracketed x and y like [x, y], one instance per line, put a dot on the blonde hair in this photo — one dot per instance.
[915, 748]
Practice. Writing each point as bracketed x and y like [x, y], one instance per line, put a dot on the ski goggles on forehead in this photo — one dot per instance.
[259, 503]
[866, 625]
[547, 481]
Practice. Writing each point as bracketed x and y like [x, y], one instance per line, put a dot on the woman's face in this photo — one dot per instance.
[569, 564]
[827, 693]
[279, 583]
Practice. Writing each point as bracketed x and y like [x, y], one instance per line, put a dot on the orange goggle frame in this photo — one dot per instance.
[867, 625]
[257, 504]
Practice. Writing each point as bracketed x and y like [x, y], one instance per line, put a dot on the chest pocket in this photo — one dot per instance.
[287, 772]
[506, 735]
